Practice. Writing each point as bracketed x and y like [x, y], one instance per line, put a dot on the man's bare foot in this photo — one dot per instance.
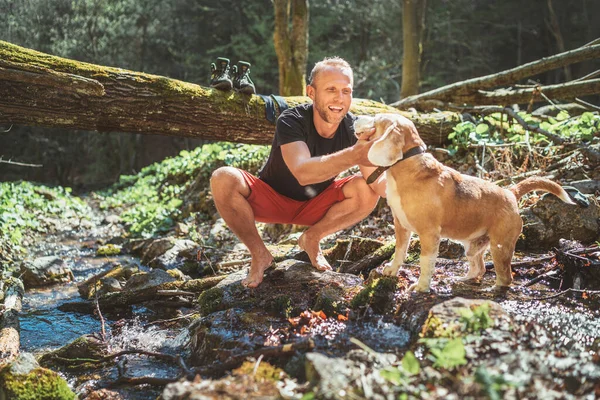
[258, 266]
[313, 249]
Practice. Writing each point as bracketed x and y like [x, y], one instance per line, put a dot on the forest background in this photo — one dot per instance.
[180, 38]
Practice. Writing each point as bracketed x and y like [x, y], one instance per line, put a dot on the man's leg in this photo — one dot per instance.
[359, 201]
[230, 190]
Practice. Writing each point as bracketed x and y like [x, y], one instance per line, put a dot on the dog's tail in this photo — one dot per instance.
[535, 183]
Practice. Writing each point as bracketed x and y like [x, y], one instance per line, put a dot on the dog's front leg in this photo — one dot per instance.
[429, 251]
[402, 241]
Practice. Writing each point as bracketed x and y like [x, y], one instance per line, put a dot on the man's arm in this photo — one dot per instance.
[309, 170]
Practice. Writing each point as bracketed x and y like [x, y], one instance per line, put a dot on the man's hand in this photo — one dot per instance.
[362, 147]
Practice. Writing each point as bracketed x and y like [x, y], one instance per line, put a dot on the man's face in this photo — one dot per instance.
[331, 93]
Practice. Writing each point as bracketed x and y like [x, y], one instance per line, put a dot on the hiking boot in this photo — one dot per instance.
[219, 78]
[241, 78]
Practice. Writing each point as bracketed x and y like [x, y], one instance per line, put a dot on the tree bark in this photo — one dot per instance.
[291, 45]
[412, 27]
[467, 89]
[127, 101]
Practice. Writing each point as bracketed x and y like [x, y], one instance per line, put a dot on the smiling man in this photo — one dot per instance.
[313, 144]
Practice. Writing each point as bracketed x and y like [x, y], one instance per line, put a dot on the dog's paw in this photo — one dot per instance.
[471, 280]
[415, 287]
[390, 270]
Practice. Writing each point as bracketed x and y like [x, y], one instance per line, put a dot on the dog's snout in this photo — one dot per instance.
[362, 124]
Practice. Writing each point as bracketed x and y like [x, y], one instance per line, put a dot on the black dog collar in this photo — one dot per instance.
[411, 152]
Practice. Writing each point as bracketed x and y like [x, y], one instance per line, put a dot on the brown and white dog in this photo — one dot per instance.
[437, 202]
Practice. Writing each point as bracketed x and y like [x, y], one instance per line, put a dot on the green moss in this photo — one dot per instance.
[264, 372]
[39, 384]
[282, 305]
[210, 300]
[108, 250]
[378, 290]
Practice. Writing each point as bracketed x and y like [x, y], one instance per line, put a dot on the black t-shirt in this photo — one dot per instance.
[294, 125]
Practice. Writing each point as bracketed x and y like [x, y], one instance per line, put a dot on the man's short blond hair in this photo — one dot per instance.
[330, 62]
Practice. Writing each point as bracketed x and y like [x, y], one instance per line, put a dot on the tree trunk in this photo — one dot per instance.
[44, 90]
[291, 45]
[413, 13]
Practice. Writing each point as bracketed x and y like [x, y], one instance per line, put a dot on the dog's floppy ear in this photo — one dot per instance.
[388, 148]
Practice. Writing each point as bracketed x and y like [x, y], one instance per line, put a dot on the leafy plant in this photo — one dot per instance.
[24, 207]
[152, 199]
[476, 319]
[493, 385]
[446, 353]
[494, 129]
[401, 375]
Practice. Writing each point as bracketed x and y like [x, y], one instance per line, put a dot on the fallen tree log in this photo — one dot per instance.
[38, 89]
[468, 91]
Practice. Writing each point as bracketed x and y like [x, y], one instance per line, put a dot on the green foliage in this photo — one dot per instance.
[493, 129]
[477, 319]
[446, 353]
[152, 198]
[402, 375]
[24, 205]
[493, 385]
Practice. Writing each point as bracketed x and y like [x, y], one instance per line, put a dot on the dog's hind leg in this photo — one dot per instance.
[502, 253]
[475, 250]
[429, 251]
[402, 241]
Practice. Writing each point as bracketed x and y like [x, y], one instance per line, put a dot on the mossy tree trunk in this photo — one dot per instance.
[38, 89]
[291, 45]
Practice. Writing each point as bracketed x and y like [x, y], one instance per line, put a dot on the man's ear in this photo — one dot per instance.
[310, 92]
[388, 148]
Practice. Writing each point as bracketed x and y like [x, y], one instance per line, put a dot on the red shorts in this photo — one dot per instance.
[271, 207]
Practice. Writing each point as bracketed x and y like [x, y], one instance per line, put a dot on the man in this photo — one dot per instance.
[313, 144]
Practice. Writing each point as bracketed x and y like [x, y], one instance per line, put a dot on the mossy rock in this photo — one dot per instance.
[26, 380]
[83, 351]
[264, 372]
[378, 293]
[108, 250]
[330, 300]
[210, 300]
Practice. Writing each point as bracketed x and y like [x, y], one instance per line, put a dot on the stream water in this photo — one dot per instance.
[44, 327]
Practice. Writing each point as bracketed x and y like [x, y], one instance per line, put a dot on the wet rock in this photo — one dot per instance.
[109, 285]
[231, 387]
[295, 280]
[104, 394]
[228, 333]
[156, 248]
[237, 319]
[145, 280]
[111, 219]
[76, 353]
[446, 317]
[25, 379]
[120, 273]
[349, 250]
[175, 256]
[181, 229]
[45, 271]
[355, 375]
[550, 220]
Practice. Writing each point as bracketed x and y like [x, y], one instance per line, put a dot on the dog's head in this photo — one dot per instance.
[389, 142]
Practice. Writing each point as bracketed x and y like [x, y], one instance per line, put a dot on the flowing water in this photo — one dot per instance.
[44, 327]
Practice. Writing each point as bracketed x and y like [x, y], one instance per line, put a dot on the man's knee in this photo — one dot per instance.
[367, 198]
[226, 180]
